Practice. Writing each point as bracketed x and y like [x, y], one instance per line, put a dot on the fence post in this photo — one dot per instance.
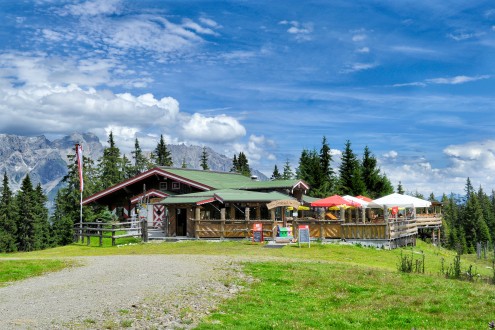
[100, 232]
[144, 230]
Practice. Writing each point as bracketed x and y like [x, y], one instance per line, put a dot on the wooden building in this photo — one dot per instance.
[173, 198]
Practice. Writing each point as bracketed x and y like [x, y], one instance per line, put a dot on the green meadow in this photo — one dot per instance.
[332, 286]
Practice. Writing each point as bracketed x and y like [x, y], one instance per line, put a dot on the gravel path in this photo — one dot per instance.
[134, 292]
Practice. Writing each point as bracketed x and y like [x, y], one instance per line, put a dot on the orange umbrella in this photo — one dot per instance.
[334, 200]
[364, 198]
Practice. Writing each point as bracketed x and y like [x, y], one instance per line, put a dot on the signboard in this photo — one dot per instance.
[285, 202]
[258, 232]
[303, 236]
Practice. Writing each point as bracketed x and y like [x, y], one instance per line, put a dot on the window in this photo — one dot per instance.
[163, 186]
[175, 185]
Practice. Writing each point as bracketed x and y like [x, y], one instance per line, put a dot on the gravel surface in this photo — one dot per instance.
[114, 292]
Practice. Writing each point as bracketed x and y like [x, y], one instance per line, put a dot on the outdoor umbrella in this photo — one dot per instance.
[334, 200]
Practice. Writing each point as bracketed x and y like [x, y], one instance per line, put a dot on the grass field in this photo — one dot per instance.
[334, 286]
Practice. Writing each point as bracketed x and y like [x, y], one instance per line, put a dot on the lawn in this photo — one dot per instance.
[323, 286]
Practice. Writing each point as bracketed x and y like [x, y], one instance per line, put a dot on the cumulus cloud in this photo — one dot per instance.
[474, 160]
[215, 129]
[301, 31]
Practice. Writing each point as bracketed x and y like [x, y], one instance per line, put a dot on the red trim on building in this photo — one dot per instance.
[137, 178]
[149, 193]
[206, 201]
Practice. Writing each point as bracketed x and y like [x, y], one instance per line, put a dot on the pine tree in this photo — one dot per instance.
[309, 170]
[400, 189]
[62, 221]
[26, 222]
[8, 226]
[184, 164]
[351, 180]
[326, 184]
[376, 184]
[42, 239]
[109, 164]
[242, 164]
[141, 163]
[161, 154]
[204, 160]
[276, 174]
[235, 164]
[126, 169]
[287, 173]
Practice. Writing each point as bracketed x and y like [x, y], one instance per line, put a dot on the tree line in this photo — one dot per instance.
[468, 219]
[25, 224]
[353, 177]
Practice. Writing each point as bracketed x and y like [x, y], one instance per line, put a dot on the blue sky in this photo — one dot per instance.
[412, 80]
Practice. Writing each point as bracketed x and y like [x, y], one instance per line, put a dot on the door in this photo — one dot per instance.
[181, 216]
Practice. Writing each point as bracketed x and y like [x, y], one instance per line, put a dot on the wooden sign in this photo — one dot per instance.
[258, 233]
[284, 202]
[303, 235]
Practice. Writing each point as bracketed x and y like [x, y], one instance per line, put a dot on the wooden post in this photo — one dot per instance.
[222, 213]
[322, 236]
[197, 218]
[387, 225]
[247, 217]
[438, 242]
[363, 214]
[274, 225]
[342, 213]
[232, 212]
[144, 230]
[258, 212]
[100, 233]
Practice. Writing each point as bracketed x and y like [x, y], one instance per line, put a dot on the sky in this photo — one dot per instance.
[412, 80]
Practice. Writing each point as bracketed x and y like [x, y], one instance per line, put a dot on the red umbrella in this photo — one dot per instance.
[364, 198]
[334, 200]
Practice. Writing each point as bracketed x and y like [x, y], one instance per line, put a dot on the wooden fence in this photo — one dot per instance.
[113, 230]
[319, 229]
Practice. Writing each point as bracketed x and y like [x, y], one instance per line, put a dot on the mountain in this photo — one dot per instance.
[46, 161]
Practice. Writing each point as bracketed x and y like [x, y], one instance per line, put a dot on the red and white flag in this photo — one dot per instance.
[79, 157]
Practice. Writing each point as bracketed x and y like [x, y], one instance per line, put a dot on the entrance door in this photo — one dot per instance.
[181, 217]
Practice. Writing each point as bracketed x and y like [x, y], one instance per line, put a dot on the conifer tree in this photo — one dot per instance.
[62, 221]
[240, 165]
[235, 164]
[109, 164]
[162, 154]
[276, 174]
[8, 226]
[25, 222]
[327, 182]
[309, 170]
[204, 160]
[287, 173]
[42, 239]
[400, 189]
[351, 180]
[141, 163]
[184, 164]
[126, 169]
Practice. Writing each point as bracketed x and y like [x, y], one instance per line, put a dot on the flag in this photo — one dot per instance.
[79, 157]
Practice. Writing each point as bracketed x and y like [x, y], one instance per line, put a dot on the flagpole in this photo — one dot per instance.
[80, 218]
[80, 165]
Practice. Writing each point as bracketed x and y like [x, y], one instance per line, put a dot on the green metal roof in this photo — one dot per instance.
[225, 195]
[226, 180]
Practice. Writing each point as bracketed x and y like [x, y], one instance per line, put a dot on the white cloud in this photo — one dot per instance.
[456, 80]
[256, 149]
[359, 37]
[355, 67]
[444, 81]
[363, 50]
[301, 31]
[391, 154]
[217, 129]
[92, 8]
